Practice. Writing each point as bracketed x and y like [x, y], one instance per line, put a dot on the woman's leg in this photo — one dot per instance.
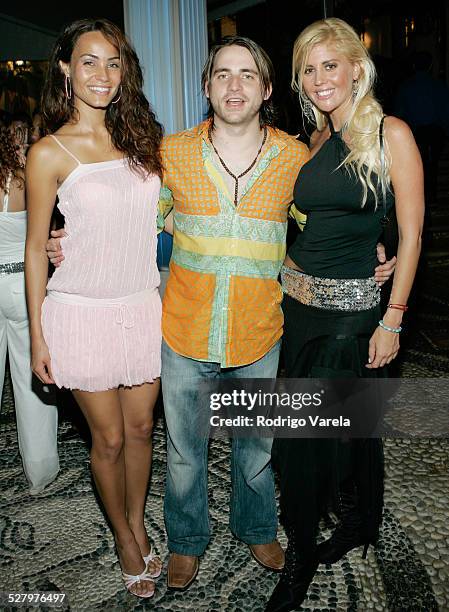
[137, 404]
[104, 416]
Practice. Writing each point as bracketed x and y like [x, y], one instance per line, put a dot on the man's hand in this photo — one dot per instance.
[53, 247]
[386, 268]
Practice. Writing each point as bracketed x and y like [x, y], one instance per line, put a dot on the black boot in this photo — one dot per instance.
[295, 579]
[351, 531]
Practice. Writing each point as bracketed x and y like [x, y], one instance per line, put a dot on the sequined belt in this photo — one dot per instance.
[11, 268]
[350, 294]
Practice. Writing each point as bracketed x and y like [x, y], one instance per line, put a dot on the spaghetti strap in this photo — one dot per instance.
[66, 150]
[6, 193]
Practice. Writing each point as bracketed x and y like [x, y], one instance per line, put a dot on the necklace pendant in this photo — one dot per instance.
[236, 178]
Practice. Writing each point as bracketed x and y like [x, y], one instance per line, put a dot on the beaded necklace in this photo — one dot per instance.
[236, 178]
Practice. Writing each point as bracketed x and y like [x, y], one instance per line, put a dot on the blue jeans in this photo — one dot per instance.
[253, 516]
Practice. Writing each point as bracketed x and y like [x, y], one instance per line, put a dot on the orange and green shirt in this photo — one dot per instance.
[222, 299]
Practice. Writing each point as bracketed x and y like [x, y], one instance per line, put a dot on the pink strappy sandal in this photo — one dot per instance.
[131, 580]
[147, 559]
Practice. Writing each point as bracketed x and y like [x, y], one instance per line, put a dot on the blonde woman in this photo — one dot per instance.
[361, 165]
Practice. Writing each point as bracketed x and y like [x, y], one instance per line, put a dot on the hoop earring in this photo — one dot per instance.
[119, 96]
[355, 88]
[68, 87]
[307, 108]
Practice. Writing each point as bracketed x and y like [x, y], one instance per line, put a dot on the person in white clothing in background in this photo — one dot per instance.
[37, 417]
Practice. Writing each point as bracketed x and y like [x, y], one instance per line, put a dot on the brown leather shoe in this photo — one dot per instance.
[182, 571]
[269, 555]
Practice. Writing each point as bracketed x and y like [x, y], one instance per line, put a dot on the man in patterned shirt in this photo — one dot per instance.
[229, 182]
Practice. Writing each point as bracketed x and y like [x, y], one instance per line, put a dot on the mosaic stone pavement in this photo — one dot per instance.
[59, 540]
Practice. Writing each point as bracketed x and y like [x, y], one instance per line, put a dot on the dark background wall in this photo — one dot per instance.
[393, 30]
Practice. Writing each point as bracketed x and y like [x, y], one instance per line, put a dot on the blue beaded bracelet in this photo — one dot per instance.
[395, 330]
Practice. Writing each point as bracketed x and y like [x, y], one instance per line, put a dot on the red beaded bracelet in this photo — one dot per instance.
[402, 307]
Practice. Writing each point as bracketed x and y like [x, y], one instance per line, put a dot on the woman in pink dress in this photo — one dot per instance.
[95, 326]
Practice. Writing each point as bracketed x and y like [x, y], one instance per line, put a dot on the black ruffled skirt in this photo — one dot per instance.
[320, 343]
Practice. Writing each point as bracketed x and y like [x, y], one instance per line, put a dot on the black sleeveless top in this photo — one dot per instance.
[340, 236]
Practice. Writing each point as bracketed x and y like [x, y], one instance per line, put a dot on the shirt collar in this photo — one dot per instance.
[275, 137]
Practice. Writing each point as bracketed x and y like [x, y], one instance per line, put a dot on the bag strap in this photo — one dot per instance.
[384, 219]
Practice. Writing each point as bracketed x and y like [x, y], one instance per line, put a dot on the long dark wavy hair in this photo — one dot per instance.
[267, 113]
[131, 122]
[10, 159]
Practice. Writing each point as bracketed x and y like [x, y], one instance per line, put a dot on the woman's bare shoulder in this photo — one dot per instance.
[43, 150]
[47, 158]
[396, 129]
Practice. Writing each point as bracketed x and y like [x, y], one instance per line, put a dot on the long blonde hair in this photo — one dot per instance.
[362, 124]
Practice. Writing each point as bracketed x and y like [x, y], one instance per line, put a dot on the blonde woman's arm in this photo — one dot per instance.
[408, 183]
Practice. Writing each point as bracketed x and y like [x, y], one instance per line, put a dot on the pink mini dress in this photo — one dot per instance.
[101, 317]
